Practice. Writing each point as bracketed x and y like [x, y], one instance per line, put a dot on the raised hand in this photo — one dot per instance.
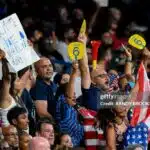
[30, 43]
[82, 38]
[2, 54]
[146, 52]
[75, 66]
[128, 51]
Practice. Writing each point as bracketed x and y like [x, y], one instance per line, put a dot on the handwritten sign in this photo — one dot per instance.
[83, 27]
[137, 41]
[14, 42]
[76, 51]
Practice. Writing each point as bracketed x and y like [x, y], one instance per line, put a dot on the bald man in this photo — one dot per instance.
[10, 136]
[39, 143]
[44, 90]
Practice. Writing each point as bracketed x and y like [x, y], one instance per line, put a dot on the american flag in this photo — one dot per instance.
[137, 135]
[140, 112]
[113, 82]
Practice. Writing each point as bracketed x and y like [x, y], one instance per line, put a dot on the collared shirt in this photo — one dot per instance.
[45, 92]
[67, 120]
[91, 97]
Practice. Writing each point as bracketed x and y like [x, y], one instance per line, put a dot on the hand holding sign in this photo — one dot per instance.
[137, 41]
[76, 51]
[2, 54]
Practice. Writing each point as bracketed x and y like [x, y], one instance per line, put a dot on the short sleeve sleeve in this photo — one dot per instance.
[39, 92]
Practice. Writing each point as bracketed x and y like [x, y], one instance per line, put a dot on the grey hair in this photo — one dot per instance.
[133, 147]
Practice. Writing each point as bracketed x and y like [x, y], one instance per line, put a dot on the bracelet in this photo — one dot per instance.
[129, 59]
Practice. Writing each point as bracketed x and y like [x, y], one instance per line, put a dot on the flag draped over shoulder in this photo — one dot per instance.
[142, 111]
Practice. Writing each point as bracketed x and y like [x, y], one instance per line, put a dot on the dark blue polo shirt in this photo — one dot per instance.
[43, 91]
[91, 97]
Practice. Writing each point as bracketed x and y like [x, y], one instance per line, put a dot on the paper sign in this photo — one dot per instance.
[102, 3]
[137, 41]
[76, 51]
[83, 27]
[13, 42]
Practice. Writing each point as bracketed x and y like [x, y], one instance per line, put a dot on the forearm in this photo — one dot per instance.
[71, 85]
[85, 73]
[128, 68]
[44, 114]
[5, 92]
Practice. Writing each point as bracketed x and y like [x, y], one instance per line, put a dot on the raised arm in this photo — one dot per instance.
[128, 65]
[83, 65]
[71, 85]
[5, 95]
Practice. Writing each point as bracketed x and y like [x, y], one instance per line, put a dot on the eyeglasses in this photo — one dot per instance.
[101, 76]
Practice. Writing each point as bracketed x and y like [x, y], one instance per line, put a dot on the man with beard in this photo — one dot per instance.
[44, 90]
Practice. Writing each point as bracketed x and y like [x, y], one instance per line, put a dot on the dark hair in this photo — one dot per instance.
[133, 147]
[59, 136]
[42, 121]
[14, 113]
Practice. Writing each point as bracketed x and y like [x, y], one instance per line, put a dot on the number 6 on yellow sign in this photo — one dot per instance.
[76, 51]
[137, 41]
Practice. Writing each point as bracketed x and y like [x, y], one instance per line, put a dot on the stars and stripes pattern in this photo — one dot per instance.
[137, 135]
[67, 121]
[140, 113]
[113, 82]
[94, 137]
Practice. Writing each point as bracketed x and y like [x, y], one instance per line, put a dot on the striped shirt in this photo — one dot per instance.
[93, 136]
[67, 121]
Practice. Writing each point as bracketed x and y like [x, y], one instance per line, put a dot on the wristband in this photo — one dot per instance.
[129, 59]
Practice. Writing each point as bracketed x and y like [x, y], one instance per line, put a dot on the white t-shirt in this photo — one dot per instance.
[61, 48]
[3, 113]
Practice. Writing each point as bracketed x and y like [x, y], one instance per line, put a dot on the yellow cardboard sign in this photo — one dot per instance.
[137, 41]
[83, 27]
[76, 50]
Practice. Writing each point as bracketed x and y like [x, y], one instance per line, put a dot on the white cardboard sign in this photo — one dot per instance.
[13, 41]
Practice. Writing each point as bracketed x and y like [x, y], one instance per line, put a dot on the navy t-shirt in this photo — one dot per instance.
[91, 97]
[43, 91]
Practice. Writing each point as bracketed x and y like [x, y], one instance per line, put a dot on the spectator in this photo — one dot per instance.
[66, 140]
[67, 119]
[10, 137]
[134, 147]
[24, 140]
[45, 128]
[18, 117]
[44, 91]
[39, 143]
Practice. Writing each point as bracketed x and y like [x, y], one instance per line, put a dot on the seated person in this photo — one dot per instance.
[39, 143]
[45, 129]
[65, 140]
[10, 138]
[18, 117]
[24, 140]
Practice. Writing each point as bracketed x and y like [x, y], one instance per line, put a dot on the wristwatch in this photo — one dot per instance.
[129, 59]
